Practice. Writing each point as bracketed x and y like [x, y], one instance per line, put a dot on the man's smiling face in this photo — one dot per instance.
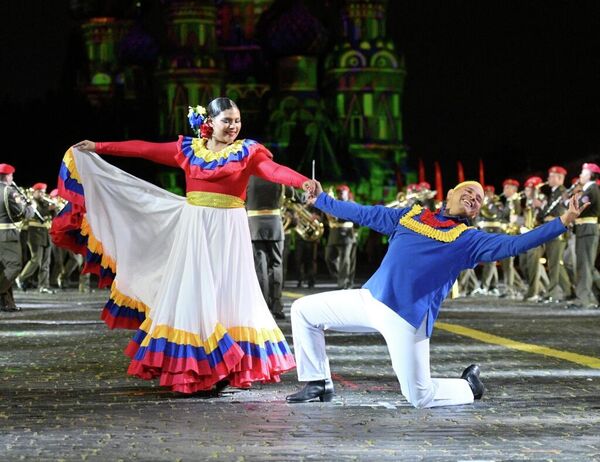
[465, 201]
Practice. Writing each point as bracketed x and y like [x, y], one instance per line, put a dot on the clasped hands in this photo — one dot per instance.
[313, 189]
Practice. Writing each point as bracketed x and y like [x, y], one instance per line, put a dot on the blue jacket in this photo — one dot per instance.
[422, 261]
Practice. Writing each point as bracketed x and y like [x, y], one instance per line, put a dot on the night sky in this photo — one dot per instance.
[516, 83]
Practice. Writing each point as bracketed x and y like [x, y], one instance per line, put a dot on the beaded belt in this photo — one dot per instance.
[256, 213]
[216, 200]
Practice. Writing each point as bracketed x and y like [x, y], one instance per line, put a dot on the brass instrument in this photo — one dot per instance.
[27, 197]
[406, 200]
[307, 227]
[489, 203]
[400, 202]
[512, 229]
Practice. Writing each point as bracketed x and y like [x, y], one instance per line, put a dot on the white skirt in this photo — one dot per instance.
[183, 275]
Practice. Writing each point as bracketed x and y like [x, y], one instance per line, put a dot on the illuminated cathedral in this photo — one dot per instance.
[307, 90]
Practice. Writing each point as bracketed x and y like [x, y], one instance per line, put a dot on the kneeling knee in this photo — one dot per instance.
[419, 398]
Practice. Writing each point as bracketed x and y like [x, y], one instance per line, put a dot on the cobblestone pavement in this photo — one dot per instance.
[65, 394]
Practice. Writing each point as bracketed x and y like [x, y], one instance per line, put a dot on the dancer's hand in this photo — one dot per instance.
[574, 210]
[85, 145]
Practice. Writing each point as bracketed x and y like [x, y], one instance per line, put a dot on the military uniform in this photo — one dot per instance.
[489, 222]
[530, 261]
[340, 252]
[586, 242]
[263, 203]
[558, 279]
[510, 212]
[40, 246]
[12, 211]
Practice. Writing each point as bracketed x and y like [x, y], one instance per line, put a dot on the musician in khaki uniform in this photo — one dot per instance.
[340, 251]
[586, 237]
[13, 209]
[530, 261]
[38, 241]
[263, 201]
[509, 217]
[489, 222]
[559, 284]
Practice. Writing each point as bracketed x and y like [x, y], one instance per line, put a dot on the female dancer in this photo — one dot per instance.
[182, 267]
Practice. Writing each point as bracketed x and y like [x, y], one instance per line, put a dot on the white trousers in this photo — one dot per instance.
[357, 311]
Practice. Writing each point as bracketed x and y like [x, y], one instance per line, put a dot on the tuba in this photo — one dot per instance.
[307, 227]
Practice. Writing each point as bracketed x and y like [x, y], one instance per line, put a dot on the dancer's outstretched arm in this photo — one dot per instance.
[377, 217]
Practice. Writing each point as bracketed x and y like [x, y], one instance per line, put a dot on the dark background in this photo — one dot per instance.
[515, 83]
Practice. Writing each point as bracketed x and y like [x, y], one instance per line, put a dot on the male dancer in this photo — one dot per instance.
[427, 251]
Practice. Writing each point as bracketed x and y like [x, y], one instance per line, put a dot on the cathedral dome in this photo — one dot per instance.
[289, 28]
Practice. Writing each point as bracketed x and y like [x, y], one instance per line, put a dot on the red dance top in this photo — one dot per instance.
[225, 172]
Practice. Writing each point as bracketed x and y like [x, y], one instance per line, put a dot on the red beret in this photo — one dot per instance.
[591, 167]
[557, 169]
[6, 169]
[489, 187]
[342, 187]
[424, 185]
[39, 186]
[510, 182]
[412, 187]
[533, 181]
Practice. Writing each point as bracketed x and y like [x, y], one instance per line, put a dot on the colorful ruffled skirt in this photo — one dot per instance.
[182, 275]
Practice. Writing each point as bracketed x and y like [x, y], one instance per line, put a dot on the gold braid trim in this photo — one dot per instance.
[425, 230]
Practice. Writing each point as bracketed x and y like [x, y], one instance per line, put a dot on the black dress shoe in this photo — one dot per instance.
[471, 375]
[10, 308]
[220, 386]
[316, 389]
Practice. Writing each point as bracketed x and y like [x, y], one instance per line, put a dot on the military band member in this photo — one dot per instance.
[264, 200]
[12, 211]
[489, 222]
[340, 243]
[586, 237]
[559, 284]
[510, 217]
[307, 247]
[530, 261]
[38, 241]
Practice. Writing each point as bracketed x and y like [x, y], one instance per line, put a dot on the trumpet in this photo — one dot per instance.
[27, 199]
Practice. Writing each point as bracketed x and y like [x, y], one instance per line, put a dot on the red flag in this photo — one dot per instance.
[481, 174]
[460, 172]
[421, 171]
[438, 182]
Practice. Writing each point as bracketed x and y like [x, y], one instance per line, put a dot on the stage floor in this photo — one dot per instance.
[65, 394]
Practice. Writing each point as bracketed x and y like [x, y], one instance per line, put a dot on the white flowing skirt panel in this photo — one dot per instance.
[183, 275]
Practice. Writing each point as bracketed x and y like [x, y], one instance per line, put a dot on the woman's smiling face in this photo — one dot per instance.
[226, 126]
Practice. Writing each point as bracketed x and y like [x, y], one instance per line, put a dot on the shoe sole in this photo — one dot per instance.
[324, 398]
